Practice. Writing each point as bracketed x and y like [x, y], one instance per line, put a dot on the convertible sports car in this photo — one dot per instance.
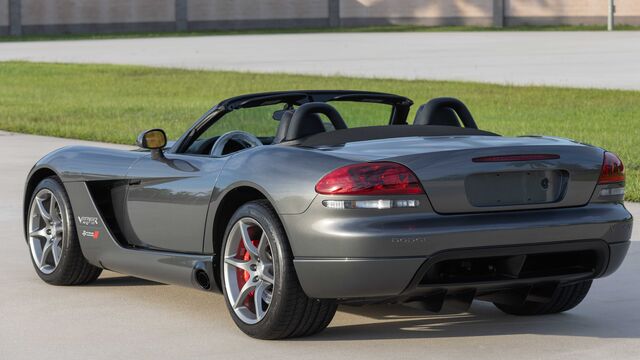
[313, 210]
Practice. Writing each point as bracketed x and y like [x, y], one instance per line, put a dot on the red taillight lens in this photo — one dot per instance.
[382, 178]
[612, 170]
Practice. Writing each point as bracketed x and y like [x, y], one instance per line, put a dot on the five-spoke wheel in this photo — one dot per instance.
[52, 237]
[46, 231]
[260, 284]
[248, 270]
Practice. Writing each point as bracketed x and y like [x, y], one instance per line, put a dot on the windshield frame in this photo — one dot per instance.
[399, 111]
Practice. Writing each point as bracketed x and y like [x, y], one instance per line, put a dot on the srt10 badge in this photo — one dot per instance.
[88, 220]
[92, 234]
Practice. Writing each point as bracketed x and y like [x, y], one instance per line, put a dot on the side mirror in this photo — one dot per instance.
[154, 140]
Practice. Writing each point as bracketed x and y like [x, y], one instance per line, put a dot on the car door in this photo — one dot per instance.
[168, 195]
[167, 201]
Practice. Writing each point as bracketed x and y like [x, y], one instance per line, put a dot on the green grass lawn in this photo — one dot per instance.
[385, 28]
[113, 103]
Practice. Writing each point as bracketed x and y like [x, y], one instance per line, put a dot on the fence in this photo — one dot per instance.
[101, 16]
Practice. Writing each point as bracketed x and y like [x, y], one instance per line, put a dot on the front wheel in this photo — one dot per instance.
[260, 285]
[53, 240]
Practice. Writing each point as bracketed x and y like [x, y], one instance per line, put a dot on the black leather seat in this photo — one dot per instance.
[305, 121]
[285, 120]
[308, 125]
[311, 126]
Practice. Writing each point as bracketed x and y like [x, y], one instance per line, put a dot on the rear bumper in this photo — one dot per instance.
[375, 256]
[403, 277]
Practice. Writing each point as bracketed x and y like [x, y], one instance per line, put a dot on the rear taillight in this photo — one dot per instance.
[381, 178]
[612, 170]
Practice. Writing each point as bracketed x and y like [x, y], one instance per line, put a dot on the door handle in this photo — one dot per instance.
[135, 182]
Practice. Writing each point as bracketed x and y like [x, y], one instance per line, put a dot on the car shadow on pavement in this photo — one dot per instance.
[122, 281]
[403, 322]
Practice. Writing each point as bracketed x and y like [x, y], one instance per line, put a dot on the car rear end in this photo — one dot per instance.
[461, 218]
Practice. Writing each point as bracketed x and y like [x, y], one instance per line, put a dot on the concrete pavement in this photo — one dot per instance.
[121, 317]
[574, 59]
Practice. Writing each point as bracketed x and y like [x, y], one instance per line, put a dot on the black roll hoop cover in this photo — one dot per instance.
[427, 111]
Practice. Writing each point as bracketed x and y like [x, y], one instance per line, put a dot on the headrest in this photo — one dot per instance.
[285, 120]
[306, 122]
[445, 111]
[309, 125]
[445, 116]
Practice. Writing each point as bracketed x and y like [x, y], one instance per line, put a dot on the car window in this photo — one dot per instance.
[257, 121]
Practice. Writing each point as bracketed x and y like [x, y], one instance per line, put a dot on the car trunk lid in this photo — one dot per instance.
[465, 174]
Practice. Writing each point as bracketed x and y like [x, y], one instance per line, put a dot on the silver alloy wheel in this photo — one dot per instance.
[46, 231]
[248, 270]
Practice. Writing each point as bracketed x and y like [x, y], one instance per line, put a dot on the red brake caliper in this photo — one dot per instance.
[244, 276]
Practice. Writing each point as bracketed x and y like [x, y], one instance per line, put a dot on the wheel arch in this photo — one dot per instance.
[227, 206]
[35, 177]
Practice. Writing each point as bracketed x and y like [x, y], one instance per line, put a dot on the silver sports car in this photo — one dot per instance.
[290, 203]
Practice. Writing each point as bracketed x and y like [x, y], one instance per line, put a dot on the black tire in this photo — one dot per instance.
[73, 268]
[565, 298]
[291, 313]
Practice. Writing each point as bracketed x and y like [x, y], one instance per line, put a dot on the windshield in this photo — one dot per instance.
[263, 121]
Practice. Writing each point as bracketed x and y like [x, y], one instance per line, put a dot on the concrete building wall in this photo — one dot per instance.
[523, 8]
[55, 12]
[245, 14]
[5, 18]
[424, 12]
[4, 13]
[100, 16]
[416, 8]
[558, 12]
[628, 8]
[97, 16]
[204, 10]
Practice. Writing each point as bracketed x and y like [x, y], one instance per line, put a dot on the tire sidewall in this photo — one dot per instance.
[69, 238]
[281, 259]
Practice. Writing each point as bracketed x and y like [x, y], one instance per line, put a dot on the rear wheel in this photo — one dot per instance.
[565, 298]
[52, 237]
[260, 285]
